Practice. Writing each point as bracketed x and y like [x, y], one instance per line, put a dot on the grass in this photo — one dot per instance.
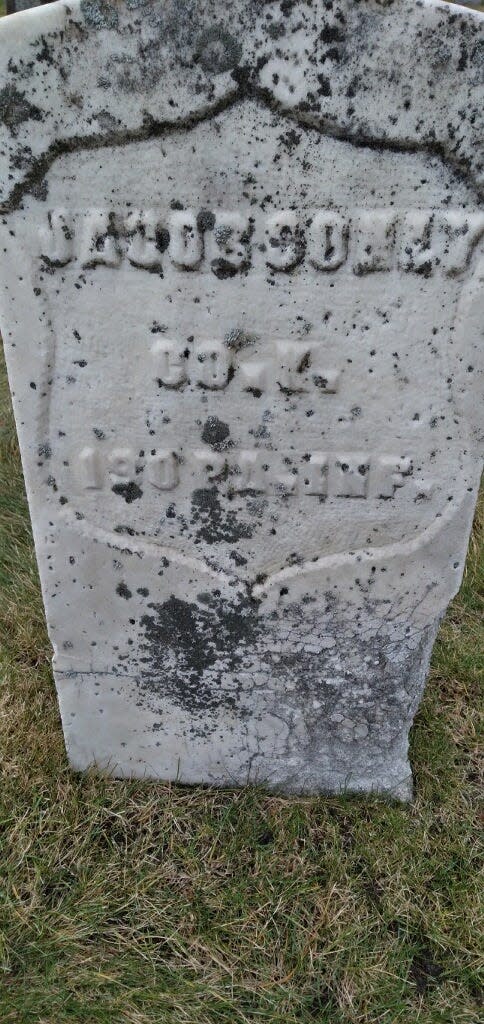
[141, 903]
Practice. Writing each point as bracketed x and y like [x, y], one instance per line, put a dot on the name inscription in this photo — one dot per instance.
[229, 242]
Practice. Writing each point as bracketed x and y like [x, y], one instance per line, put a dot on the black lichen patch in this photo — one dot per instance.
[324, 85]
[99, 14]
[188, 647]
[237, 339]
[223, 269]
[238, 558]
[205, 221]
[123, 591]
[122, 529]
[216, 434]
[130, 491]
[217, 51]
[213, 523]
[15, 108]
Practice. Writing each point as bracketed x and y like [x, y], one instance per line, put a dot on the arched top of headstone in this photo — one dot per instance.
[392, 74]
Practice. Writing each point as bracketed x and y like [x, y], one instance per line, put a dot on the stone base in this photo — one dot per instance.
[313, 738]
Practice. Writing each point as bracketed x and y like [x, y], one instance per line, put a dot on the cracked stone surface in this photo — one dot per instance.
[241, 261]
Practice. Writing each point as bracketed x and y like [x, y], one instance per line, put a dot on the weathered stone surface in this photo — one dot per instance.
[241, 295]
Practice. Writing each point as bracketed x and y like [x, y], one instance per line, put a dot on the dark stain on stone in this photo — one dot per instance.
[128, 530]
[130, 491]
[332, 34]
[15, 108]
[325, 85]
[216, 434]
[45, 54]
[188, 647]
[123, 591]
[40, 190]
[223, 269]
[213, 523]
[290, 140]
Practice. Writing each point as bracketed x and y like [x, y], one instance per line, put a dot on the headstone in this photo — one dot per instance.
[241, 297]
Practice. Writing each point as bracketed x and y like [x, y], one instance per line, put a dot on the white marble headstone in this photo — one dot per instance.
[241, 295]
